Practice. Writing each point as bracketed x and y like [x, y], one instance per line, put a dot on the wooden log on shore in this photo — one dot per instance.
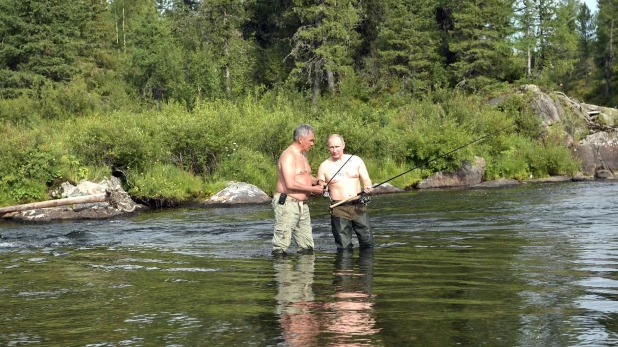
[54, 203]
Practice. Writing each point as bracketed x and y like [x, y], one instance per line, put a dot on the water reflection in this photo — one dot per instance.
[295, 299]
[345, 317]
[350, 318]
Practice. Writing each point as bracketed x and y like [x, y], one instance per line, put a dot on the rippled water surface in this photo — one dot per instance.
[534, 265]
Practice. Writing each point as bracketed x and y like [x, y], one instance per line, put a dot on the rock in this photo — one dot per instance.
[604, 175]
[543, 105]
[468, 175]
[121, 204]
[598, 151]
[581, 177]
[499, 183]
[549, 179]
[386, 188]
[238, 193]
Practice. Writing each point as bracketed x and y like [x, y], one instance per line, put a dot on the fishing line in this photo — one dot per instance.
[425, 163]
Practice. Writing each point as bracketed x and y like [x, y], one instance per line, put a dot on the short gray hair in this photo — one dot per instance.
[335, 135]
[303, 130]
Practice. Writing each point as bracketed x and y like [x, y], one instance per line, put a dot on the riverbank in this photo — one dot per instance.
[172, 155]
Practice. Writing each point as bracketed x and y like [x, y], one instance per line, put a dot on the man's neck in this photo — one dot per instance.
[341, 159]
[297, 148]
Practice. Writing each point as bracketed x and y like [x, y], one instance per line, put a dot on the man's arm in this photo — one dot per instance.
[364, 176]
[321, 177]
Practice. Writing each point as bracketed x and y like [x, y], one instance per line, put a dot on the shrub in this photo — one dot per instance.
[163, 185]
[249, 166]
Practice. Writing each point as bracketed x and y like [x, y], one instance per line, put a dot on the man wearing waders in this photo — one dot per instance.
[344, 174]
[294, 186]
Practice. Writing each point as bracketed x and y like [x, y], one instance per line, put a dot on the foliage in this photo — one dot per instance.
[164, 183]
[244, 165]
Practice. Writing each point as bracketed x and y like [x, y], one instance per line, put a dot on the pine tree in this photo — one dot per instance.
[479, 41]
[409, 43]
[606, 39]
[324, 45]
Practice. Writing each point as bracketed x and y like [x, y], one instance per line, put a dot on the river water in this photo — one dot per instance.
[534, 265]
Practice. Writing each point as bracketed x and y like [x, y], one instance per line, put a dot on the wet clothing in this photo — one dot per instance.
[292, 220]
[348, 217]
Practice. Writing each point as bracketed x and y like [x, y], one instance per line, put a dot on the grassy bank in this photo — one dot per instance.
[170, 155]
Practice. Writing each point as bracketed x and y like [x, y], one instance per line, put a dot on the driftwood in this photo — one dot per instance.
[54, 203]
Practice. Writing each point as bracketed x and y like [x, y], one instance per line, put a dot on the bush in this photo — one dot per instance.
[163, 185]
[249, 166]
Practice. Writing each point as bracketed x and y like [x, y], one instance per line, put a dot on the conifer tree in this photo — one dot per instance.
[606, 40]
[409, 43]
[479, 41]
[41, 42]
[324, 45]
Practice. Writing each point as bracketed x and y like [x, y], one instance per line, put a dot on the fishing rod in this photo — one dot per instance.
[325, 194]
[425, 163]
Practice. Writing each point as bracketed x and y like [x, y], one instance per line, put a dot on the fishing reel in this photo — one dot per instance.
[325, 194]
[364, 200]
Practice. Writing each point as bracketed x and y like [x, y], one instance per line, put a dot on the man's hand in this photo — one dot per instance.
[368, 190]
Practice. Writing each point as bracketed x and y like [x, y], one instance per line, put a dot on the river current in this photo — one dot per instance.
[534, 265]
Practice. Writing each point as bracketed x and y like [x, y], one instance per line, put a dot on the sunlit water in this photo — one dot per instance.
[535, 265]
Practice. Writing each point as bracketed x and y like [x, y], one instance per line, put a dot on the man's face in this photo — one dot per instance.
[307, 142]
[335, 147]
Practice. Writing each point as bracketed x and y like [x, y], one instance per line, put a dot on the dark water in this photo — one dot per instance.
[529, 266]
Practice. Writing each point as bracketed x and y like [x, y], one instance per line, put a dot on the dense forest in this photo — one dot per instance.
[176, 97]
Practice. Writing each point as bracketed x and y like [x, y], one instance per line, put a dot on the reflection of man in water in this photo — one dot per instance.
[352, 321]
[345, 318]
[295, 297]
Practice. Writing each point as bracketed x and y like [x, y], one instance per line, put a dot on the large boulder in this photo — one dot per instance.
[238, 193]
[469, 174]
[543, 105]
[598, 151]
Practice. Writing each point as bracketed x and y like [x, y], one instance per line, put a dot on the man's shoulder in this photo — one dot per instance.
[287, 152]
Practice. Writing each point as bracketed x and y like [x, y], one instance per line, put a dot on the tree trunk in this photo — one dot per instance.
[226, 53]
[315, 89]
[331, 81]
[124, 34]
[609, 60]
[54, 203]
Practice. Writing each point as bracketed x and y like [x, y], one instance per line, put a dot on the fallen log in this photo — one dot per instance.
[54, 203]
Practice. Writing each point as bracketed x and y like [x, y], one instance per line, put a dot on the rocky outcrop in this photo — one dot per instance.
[469, 174]
[118, 204]
[598, 151]
[238, 193]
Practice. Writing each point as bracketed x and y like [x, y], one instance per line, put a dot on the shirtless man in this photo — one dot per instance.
[352, 215]
[294, 186]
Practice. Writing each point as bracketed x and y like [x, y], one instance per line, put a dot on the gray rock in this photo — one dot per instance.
[499, 183]
[386, 188]
[549, 179]
[543, 105]
[468, 175]
[598, 151]
[579, 177]
[604, 175]
[121, 204]
[238, 193]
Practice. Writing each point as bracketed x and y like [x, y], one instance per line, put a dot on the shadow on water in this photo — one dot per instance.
[535, 265]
